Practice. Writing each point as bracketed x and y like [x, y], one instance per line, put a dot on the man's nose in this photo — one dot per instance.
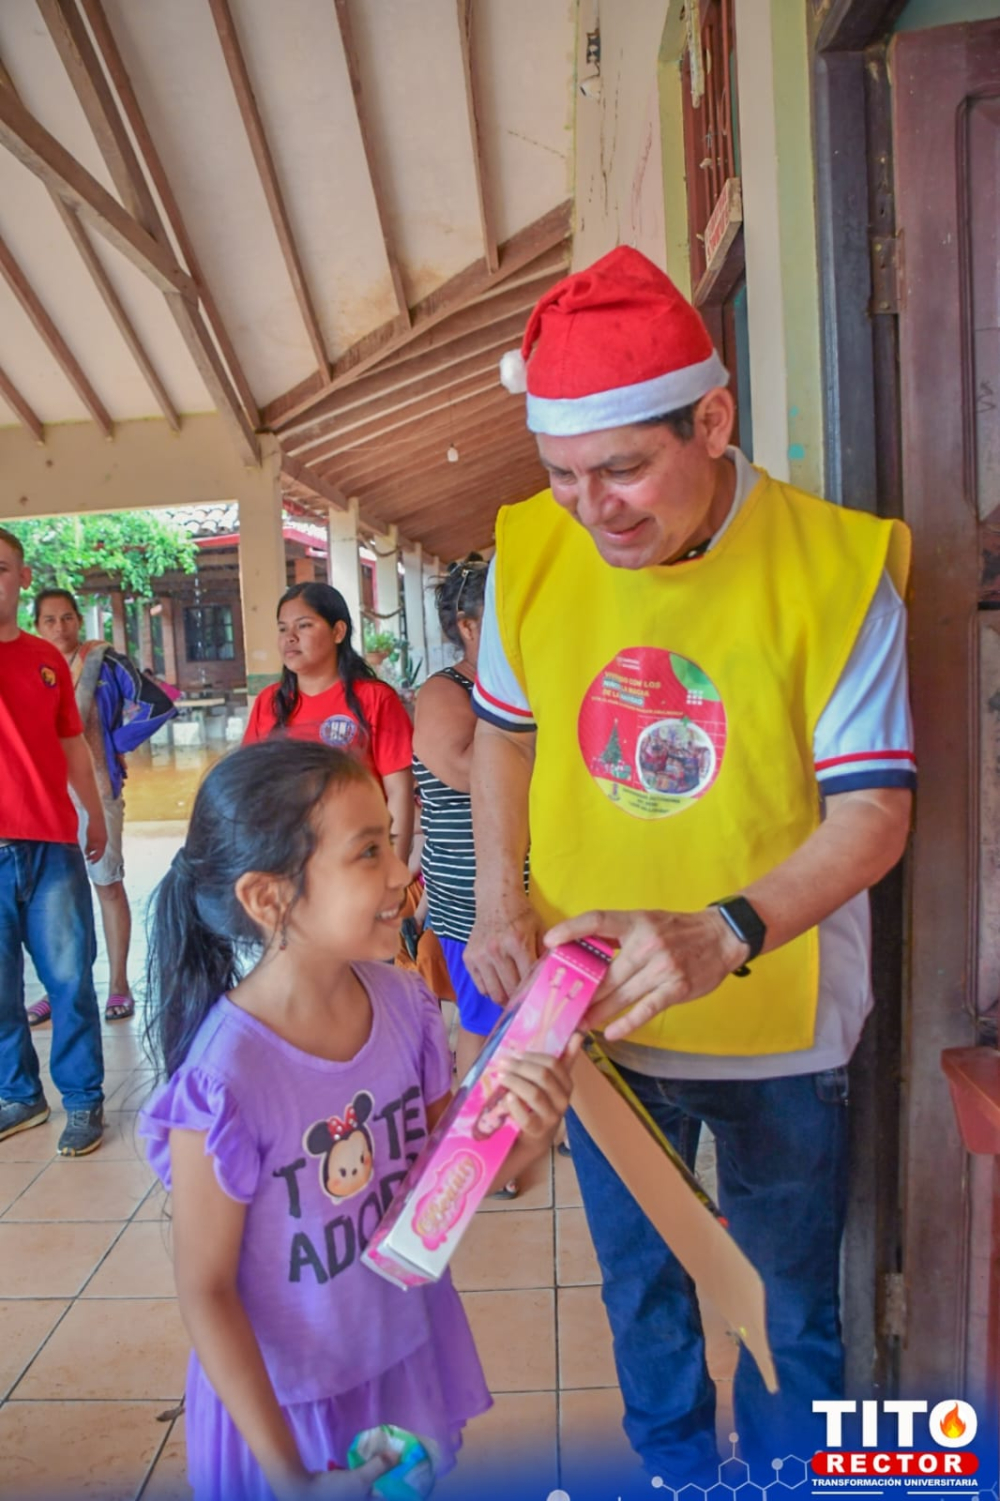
[594, 499]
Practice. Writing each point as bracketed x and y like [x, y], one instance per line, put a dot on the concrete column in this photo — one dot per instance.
[342, 529]
[773, 61]
[439, 650]
[413, 592]
[119, 635]
[263, 572]
[169, 641]
[387, 580]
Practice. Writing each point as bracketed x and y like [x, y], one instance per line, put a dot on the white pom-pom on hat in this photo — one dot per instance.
[514, 372]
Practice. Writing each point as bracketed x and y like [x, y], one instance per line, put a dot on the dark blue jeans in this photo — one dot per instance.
[46, 908]
[781, 1149]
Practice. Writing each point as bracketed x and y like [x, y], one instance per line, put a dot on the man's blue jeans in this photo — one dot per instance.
[781, 1148]
[46, 908]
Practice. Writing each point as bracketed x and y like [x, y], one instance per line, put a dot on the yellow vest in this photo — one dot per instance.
[675, 709]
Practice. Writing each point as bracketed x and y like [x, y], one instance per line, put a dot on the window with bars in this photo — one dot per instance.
[711, 145]
[208, 633]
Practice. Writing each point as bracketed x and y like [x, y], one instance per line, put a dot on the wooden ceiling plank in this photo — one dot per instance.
[113, 62]
[384, 385]
[516, 253]
[32, 144]
[463, 10]
[444, 421]
[488, 435]
[413, 416]
[368, 145]
[494, 481]
[304, 479]
[120, 317]
[20, 407]
[47, 331]
[110, 297]
[254, 127]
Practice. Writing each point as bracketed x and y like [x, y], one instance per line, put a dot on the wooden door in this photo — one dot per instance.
[946, 133]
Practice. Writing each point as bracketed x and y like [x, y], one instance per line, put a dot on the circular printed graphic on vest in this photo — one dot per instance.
[340, 731]
[652, 731]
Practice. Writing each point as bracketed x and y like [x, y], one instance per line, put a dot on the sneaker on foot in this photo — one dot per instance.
[16, 1115]
[84, 1129]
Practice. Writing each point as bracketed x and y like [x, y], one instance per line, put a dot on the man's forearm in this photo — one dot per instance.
[501, 777]
[80, 776]
[861, 839]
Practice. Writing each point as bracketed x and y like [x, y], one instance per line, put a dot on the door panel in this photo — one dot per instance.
[946, 128]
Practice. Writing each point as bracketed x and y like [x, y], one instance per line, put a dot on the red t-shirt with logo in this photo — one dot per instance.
[328, 717]
[37, 710]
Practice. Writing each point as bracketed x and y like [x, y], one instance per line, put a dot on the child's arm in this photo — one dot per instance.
[208, 1233]
[540, 1089]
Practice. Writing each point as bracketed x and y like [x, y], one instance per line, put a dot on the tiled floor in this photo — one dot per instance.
[93, 1353]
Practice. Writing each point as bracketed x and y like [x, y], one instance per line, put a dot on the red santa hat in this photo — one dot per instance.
[611, 345]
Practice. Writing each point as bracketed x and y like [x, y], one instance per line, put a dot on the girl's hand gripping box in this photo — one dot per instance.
[439, 1195]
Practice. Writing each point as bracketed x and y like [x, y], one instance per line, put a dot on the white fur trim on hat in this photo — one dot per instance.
[514, 372]
[566, 417]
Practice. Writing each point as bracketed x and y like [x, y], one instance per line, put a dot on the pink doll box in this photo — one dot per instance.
[418, 1234]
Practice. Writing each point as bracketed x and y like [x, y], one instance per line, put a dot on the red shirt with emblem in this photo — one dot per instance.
[37, 710]
[328, 717]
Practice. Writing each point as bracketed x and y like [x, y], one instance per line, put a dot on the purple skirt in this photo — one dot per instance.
[431, 1393]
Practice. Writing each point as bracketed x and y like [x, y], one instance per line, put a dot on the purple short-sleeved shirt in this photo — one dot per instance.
[316, 1150]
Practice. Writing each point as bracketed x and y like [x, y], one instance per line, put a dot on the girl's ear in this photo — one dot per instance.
[340, 631]
[265, 899]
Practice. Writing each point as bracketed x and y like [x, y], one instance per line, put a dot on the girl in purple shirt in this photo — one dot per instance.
[302, 1075]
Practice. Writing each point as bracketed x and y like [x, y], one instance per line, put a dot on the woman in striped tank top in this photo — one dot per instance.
[444, 726]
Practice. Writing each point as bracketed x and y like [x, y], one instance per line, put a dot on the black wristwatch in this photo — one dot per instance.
[748, 925]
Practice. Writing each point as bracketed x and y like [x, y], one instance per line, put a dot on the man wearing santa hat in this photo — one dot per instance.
[692, 690]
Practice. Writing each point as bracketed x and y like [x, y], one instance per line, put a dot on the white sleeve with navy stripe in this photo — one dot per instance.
[497, 696]
[864, 737]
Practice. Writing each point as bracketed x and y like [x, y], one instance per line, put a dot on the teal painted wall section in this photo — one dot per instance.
[922, 13]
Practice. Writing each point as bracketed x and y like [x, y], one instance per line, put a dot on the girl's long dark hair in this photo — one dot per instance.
[255, 810]
[331, 605]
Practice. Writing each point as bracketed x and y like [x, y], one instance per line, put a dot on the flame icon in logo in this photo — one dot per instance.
[952, 1425]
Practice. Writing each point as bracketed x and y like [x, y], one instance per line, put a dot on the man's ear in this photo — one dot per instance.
[26, 577]
[714, 420]
[265, 899]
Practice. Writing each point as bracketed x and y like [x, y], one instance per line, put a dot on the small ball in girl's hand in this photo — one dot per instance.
[411, 1477]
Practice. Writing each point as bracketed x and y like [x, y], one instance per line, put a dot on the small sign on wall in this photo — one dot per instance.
[724, 224]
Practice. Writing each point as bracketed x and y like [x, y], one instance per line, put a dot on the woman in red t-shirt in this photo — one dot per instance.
[328, 692]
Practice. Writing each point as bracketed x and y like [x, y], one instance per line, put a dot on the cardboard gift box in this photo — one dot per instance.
[673, 1200]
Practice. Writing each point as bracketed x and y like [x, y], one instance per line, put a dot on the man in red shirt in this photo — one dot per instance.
[45, 904]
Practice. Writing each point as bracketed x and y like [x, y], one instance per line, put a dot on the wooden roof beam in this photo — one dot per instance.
[516, 253]
[368, 145]
[83, 65]
[118, 74]
[254, 127]
[492, 478]
[108, 294]
[20, 407]
[385, 380]
[32, 144]
[47, 331]
[464, 16]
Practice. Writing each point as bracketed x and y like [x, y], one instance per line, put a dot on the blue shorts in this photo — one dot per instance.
[476, 1011]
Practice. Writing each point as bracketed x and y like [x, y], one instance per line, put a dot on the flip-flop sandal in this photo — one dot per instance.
[119, 1008]
[39, 1012]
[509, 1191]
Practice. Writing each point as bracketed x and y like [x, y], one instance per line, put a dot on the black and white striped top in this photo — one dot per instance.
[448, 861]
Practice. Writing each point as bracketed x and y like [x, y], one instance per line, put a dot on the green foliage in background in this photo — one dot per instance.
[133, 549]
